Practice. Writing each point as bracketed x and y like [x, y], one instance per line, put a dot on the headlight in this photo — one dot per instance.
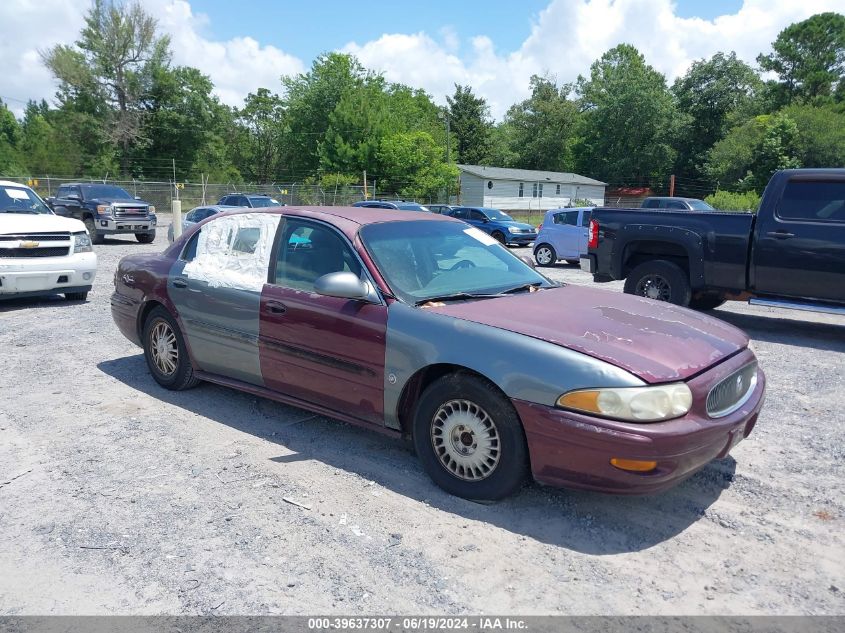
[513, 229]
[151, 209]
[104, 209]
[82, 242]
[637, 404]
[153, 218]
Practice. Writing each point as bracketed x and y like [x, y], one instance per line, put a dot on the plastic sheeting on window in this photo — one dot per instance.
[234, 251]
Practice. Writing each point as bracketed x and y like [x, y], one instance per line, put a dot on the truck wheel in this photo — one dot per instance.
[661, 280]
[707, 301]
[469, 438]
[92, 231]
[499, 237]
[76, 296]
[145, 238]
[165, 352]
[545, 255]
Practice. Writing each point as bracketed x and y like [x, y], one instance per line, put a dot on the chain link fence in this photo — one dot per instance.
[197, 194]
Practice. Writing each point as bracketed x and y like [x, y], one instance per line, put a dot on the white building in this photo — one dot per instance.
[525, 189]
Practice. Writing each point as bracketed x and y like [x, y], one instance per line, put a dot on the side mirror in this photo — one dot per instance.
[486, 220]
[528, 260]
[344, 285]
[137, 197]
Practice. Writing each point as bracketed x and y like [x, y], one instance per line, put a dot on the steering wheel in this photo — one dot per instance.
[464, 263]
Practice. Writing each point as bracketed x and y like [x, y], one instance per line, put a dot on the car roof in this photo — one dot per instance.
[560, 209]
[671, 198]
[251, 195]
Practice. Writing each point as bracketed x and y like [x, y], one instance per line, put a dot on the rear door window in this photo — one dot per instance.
[567, 217]
[813, 201]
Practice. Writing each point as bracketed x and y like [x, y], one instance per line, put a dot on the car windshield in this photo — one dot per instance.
[426, 260]
[21, 200]
[495, 214]
[92, 192]
[700, 205]
[263, 201]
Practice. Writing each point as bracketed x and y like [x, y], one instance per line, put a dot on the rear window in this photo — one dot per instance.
[814, 201]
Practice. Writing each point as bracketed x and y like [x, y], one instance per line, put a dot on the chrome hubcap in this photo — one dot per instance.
[465, 440]
[654, 287]
[544, 256]
[163, 347]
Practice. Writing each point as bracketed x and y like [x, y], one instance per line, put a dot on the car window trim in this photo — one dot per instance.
[271, 270]
[779, 218]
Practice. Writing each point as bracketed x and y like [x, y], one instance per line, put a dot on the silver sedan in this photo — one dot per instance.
[198, 214]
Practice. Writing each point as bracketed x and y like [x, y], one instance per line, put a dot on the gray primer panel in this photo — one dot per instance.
[523, 367]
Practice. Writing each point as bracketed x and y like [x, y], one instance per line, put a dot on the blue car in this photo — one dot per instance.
[500, 225]
[563, 235]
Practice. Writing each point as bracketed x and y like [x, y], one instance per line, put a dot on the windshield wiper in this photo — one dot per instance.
[458, 296]
[528, 287]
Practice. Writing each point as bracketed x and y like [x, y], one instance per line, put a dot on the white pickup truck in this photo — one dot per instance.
[41, 253]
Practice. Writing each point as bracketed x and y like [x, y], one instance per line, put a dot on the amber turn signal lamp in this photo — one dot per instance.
[635, 465]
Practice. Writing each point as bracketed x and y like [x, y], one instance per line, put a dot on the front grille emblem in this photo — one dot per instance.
[29, 244]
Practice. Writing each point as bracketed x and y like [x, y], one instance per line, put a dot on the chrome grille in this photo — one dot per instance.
[732, 392]
[58, 251]
[130, 212]
[56, 236]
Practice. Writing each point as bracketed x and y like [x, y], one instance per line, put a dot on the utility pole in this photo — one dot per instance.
[176, 207]
[365, 185]
[672, 185]
[448, 137]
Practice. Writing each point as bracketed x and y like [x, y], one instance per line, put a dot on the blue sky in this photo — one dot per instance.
[307, 28]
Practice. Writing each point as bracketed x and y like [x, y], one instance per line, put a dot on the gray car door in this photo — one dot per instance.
[216, 287]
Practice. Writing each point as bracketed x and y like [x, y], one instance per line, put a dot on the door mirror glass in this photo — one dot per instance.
[344, 285]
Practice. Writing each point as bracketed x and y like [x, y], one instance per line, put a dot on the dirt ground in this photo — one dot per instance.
[117, 496]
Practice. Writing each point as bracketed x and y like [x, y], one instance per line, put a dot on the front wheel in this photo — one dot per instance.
[661, 280]
[92, 231]
[165, 352]
[469, 438]
[499, 237]
[545, 255]
[145, 238]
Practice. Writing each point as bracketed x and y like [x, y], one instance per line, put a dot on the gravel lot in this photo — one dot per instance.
[117, 496]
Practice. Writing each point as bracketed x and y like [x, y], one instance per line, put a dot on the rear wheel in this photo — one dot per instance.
[145, 238]
[469, 438]
[707, 301]
[545, 255]
[92, 231]
[165, 352]
[661, 280]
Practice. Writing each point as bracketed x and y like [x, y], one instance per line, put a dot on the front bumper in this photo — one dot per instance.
[47, 275]
[588, 263]
[111, 226]
[520, 239]
[574, 450]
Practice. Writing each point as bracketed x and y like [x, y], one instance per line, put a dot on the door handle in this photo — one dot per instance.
[783, 235]
[276, 307]
[180, 282]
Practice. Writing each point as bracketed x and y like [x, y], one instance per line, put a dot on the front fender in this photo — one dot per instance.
[523, 367]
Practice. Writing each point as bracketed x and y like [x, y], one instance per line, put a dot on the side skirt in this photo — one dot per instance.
[302, 404]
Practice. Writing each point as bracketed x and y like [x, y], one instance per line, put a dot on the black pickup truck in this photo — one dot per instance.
[105, 210]
[791, 253]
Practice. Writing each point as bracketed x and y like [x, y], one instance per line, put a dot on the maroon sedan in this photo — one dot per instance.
[419, 325]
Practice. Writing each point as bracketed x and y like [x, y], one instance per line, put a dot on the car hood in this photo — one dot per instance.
[40, 223]
[127, 201]
[656, 341]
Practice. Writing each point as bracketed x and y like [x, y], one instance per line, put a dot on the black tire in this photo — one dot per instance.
[545, 255]
[660, 279]
[182, 375]
[76, 296]
[92, 231]
[707, 301]
[468, 395]
[499, 237]
[145, 238]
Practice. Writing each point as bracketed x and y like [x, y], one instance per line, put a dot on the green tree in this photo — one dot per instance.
[750, 153]
[412, 165]
[469, 121]
[263, 119]
[809, 58]
[10, 134]
[542, 129]
[708, 94]
[310, 98]
[113, 63]
[821, 135]
[629, 119]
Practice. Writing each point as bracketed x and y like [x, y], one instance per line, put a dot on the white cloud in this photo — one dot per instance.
[236, 66]
[566, 37]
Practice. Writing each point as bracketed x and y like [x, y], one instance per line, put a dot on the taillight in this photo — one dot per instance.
[593, 235]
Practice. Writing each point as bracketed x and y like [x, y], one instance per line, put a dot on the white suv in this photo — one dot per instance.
[41, 253]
